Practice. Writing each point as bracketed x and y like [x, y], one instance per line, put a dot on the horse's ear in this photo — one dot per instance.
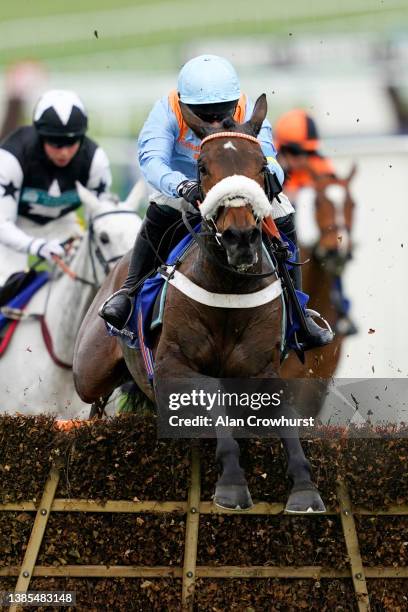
[351, 174]
[88, 199]
[200, 128]
[136, 196]
[258, 115]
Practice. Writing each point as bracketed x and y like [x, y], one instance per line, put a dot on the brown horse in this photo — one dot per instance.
[200, 341]
[334, 206]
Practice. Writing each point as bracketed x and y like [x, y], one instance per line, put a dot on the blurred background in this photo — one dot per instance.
[345, 63]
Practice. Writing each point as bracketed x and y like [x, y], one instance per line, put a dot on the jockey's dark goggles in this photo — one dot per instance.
[214, 112]
[296, 150]
[215, 117]
[60, 143]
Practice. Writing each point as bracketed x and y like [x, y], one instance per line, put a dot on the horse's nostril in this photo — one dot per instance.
[230, 236]
[234, 236]
[254, 235]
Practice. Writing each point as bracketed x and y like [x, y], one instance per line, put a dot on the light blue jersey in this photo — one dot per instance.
[168, 157]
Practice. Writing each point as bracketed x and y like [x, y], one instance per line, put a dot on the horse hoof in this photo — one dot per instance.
[233, 497]
[305, 502]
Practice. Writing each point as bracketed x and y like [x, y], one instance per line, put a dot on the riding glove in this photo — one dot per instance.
[190, 191]
[45, 249]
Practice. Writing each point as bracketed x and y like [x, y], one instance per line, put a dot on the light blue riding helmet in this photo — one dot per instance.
[208, 79]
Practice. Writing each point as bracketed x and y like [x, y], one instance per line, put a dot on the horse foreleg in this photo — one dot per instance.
[231, 490]
[304, 496]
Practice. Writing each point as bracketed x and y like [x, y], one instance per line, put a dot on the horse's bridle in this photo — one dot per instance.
[67, 270]
[210, 137]
[98, 252]
[320, 253]
[105, 263]
[227, 134]
[198, 237]
[272, 187]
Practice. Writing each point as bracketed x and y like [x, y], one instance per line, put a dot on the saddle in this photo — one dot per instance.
[15, 295]
[149, 307]
[15, 284]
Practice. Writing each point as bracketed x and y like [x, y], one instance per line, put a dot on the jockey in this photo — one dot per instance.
[168, 152]
[39, 165]
[298, 144]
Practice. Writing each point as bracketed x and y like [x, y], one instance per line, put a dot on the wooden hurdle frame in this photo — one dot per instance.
[190, 571]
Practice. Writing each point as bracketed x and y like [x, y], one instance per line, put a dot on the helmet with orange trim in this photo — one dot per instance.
[209, 85]
[296, 132]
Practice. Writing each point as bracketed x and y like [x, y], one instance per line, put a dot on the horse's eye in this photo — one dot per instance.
[203, 170]
[104, 238]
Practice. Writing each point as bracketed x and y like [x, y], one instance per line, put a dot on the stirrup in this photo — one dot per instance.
[119, 292]
[319, 316]
[306, 344]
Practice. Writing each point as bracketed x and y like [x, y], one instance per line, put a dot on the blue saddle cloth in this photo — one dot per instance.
[141, 325]
[151, 288]
[20, 300]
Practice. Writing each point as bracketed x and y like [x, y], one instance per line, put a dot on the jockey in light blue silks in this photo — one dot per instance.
[168, 153]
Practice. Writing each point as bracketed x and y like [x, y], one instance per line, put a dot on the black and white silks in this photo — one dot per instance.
[33, 189]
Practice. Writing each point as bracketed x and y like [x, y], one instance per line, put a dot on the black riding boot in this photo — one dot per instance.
[153, 236]
[316, 336]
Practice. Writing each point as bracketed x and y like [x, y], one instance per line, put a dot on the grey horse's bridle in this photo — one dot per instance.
[105, 263]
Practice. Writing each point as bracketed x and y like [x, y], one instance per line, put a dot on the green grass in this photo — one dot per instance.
[40, 8]
[155, 41]
[157, 38]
